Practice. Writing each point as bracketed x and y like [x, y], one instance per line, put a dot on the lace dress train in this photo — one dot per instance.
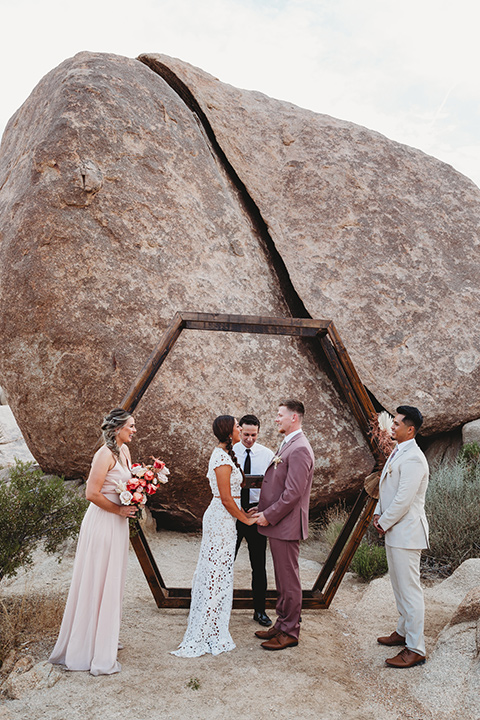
[212, 585]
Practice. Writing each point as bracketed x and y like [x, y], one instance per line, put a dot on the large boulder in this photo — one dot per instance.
[115, 213]
[375, 235]
[131, 190]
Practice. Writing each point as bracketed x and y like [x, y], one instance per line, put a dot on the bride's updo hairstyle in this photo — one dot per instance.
[222, 429]
[112, 422]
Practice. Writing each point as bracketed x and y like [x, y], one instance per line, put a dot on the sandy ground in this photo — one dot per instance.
[337, 672]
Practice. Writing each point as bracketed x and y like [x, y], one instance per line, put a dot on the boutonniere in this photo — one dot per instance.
[277, 459]
[389, 469]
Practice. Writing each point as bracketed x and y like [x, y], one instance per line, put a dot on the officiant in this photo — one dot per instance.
[254, 459]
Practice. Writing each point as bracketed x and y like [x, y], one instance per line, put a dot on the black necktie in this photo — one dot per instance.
[247, 468]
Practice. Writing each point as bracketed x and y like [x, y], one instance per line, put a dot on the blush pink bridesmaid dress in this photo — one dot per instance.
[88, 638]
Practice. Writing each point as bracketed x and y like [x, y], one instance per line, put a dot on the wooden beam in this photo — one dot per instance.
[302, 327]
[148, 565]
[151, 367]
[337, 549]
[351, 372]
[349, 551]
[355, 395]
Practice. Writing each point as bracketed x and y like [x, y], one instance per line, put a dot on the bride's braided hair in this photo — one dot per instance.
[112, 422]
[222, 429]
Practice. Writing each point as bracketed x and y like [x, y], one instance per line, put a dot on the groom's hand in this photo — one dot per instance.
[262, 520]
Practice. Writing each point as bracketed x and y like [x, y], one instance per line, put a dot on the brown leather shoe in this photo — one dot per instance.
[393, 639]
[406, 658]
[267, 634]
[280, 642]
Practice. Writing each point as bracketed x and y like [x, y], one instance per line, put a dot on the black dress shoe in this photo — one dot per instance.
[262, 618]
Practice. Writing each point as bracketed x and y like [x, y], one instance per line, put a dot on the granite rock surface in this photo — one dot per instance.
[115, 213]
[375, 235]
[131, 189]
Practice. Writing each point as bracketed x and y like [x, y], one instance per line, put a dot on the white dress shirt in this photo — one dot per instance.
[260, 457]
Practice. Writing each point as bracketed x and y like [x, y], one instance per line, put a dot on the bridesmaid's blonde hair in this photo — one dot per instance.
[111, 424]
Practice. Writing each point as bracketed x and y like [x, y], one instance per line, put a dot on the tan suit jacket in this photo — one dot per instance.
[401, 503]
[285, 495]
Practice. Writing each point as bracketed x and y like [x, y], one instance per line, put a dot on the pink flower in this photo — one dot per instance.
[138, 498]
[151, 489]
[148, 476]
[133, 484]
[158, 464]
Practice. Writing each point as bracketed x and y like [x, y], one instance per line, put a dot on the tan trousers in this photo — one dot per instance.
[404, 570]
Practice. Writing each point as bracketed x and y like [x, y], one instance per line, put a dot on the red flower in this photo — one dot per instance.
[151, 489]
[148, 476]
[138, 498]
[158, 464]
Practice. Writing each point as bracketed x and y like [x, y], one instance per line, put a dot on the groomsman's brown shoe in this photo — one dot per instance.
[267, 634]
[393, 639]
[406, 658]
[280, 642]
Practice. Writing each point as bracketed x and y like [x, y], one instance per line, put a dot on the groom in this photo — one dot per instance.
[283, 517]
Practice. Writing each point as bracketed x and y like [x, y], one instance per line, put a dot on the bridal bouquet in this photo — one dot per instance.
[145, 481]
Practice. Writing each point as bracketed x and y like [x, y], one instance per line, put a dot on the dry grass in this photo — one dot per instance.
[29, 621]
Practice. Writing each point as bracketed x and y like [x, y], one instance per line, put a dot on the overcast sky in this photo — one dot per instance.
[406, 68]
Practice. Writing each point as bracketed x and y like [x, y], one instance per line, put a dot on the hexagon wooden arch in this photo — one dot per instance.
[324, 333]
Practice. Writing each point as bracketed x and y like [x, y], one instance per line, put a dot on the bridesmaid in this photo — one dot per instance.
[89, 633]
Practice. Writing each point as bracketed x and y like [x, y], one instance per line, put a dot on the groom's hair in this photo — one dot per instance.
[294, 406]
[411, 416]
[249, 420]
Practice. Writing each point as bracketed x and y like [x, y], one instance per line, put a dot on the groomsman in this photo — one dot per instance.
[254, 459]
[283, 517]
[400, 517]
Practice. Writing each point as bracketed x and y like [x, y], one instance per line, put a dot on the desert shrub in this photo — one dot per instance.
[28, 619]
[453, 511]
[370, 561]
[35, 510]
[470, 453]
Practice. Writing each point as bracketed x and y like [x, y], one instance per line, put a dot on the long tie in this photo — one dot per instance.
[247, 468]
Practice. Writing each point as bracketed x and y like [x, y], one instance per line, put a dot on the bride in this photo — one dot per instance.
[212, 585]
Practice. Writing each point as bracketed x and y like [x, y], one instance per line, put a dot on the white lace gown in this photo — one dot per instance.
[212, 584]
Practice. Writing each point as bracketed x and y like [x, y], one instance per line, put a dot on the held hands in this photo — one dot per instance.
[261, 520]
[252, 517]
[378, 527]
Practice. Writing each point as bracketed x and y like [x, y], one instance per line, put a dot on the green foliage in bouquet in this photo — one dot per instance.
[35, 510]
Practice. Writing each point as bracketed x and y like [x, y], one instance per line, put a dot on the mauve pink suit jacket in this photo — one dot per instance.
[285, 495]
